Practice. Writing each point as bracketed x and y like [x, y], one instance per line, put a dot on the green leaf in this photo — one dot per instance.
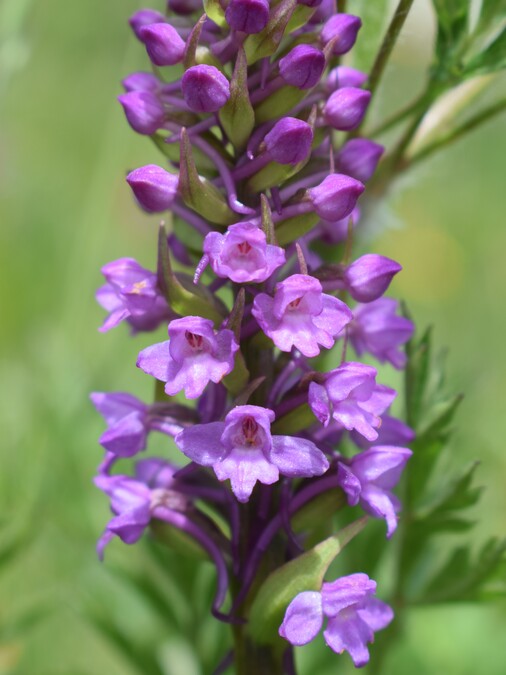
[452, 20]
[192, 43]
[215, 12]
[198, 193]
[183, 296]
[267, 41]
[237, 116]
[279, 103]
[305, 573]
[294, 421]
[237, 380]
[294, 228]
[491, 60]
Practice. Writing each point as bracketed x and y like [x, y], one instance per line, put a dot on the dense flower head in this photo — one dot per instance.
[253, 279]
[353, 616]
[300, 315]
[243, 450]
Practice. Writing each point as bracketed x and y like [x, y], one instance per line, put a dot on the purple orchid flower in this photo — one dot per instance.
[300, 315]
[353, 614]
[242, 254]
[351, 396]
[131, 294]
[369, 477]
[194, 355]
[377, 329]
[129, 422]
[391, 432]
[243, 450]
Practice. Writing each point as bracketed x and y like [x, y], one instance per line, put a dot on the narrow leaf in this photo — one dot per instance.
[267, 41]
[237, 116]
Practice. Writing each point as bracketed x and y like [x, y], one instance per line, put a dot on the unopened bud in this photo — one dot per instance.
[163, 44]
[289, 141]
[205, 89]
[143, 110]
[302, 67]
[144, 17]
[141, 82]
[359, 158]
[342, 29]
[369, 277]
[184, 6]
[344, 76]
[346, 107]
[154, 188]
[335, 197]
[248, 16]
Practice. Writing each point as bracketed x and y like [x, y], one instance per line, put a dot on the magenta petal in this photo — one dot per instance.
[113, 406]
[346, 591]
[319, 402]
[349, 634]
[349, 483]
[244, 468]
[201, 443]
[380, 504]
[376, 613]
[303, 618]
[297, 457]
[381, 462]
[126, 437]
[154, 360]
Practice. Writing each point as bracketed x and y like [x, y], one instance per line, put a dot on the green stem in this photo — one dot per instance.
[458, 132]
[399, 116]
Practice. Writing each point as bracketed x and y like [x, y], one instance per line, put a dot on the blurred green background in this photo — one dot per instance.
[65, 211]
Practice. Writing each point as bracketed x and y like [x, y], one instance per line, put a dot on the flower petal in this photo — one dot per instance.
[201, 443]
[297, 457]
[303, 618]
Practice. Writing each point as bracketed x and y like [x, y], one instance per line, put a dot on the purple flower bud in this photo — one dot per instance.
[302, 67]
[184, 7]
[126, 419]
[352, 398]
[377, 329]
[141, 82]
[369, 477]
[346, 107]
[144, 17]
[369, 276]
[325, 9]
[289, 140]
[337, 231]
[193, 356]
[300, 315]
[242, 254]
[353, 614]
[131, 293]
[163, 44]
[154, 188]
[336, 196]
[343, 29]
[359, 158]
[248, 16]
[243, 450]
[205, 89]
[344, 76]
[143, 110]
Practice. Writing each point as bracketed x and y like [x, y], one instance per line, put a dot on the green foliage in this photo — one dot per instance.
[237, 116]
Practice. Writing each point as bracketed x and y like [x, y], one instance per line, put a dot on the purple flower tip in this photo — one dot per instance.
[353, 616]
[144, 17]
[243, 450]
[359, 158]
[300, 315]
[143, 110]
[154, 188]
[344, 76]
[184, 7]
[336, 196]
[369, 477]
[346, 108]
[289, 141]
[205, 89]
[163, 44]
[368, 277]
[242, 254]
[342, 30]
[303, 66]
[141, 82]
[248, 16]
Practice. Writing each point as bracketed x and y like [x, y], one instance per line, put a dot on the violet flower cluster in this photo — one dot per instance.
[262, 193]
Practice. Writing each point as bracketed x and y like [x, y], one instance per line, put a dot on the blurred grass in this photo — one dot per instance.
[65, 211]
